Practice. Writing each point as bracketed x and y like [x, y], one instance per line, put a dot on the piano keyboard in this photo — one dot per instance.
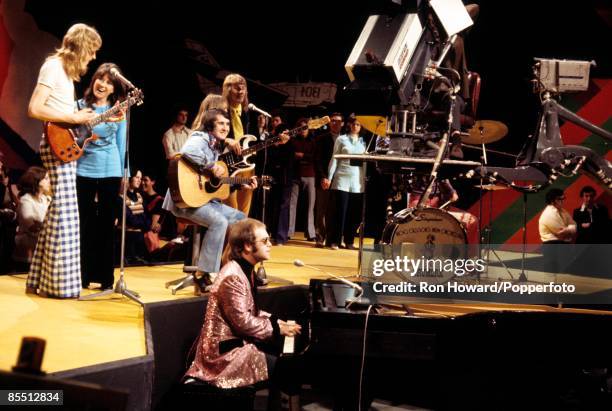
[289, 342]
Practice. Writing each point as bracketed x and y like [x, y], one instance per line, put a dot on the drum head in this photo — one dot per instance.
[428, 234]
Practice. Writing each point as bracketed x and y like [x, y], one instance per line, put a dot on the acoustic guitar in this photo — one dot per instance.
[238, 164]
[67, 141]
[189, 188]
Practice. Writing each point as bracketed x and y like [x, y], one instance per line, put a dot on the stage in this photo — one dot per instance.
[92, 340]
[114, 342]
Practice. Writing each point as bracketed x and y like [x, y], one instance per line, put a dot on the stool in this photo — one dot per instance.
[196, 240]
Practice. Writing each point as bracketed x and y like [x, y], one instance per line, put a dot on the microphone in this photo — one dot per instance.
[260, 111]
[300, 263]
[122, 79]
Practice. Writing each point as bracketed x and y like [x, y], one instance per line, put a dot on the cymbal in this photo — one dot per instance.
[374, 124]
[491, 131]
[492, 187]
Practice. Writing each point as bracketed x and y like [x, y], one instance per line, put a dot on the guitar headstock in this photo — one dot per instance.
[318, 122]
[136, 96]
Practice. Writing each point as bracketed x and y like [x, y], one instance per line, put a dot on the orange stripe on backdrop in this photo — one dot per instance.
[597, 111]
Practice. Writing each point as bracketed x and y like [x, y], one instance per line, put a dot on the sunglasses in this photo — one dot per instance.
[265, 240]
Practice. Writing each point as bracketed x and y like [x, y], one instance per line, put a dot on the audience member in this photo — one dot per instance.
[176, 135]
[592, 219]
[35, 196]
[8, 219]
[137, 221]
[280, 166]
[557, 228]
[324, 204]
[348, 186]
[303, 178]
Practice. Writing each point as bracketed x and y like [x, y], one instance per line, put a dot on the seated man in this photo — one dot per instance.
[557, 228]
[202, 150]
[444, 194]
[228, 351]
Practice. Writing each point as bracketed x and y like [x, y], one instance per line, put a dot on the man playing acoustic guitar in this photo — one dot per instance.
[201, 151]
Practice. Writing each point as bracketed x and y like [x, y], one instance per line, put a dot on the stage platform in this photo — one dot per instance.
[114, 341]
[111, 328]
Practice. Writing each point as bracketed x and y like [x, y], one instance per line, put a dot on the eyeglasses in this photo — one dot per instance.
[265, 240]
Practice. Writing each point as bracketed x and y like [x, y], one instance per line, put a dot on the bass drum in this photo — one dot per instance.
[430, 235]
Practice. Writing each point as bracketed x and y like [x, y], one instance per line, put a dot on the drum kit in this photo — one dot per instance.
[420, 230]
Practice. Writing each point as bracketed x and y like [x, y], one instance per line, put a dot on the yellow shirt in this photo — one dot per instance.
[235, 113]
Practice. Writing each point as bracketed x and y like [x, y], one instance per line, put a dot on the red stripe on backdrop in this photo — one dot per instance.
[597, 111]
[572, 193]
[6, 46]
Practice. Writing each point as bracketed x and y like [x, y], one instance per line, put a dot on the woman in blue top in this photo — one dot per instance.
[348, 185]
[99, 173]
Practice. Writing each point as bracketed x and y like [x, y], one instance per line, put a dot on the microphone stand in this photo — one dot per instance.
[363, 211]
[120, 286]
[353, 285]
[261, 274]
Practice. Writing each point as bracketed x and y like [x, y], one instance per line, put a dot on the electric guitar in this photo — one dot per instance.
[67, 141]
[189, 188]
[238, 164]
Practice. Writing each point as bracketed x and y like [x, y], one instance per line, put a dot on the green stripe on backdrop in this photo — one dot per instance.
[511, 220]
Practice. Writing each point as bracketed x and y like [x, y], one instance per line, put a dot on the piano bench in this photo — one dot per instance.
[203, 396]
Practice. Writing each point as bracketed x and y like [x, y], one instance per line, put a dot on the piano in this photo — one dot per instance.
[455, 355]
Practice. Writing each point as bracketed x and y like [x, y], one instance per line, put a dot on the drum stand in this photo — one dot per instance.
[488, 229]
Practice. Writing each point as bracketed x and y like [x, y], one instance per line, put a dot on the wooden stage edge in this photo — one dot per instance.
[111, 328]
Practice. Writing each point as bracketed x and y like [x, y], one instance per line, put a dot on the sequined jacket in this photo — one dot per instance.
[231, 317]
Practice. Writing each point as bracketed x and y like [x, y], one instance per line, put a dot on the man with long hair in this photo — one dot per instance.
[236, 94]
[56, 265]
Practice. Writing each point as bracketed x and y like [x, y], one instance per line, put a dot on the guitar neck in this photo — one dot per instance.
[234, 180]
[110, 113]
[267, 143]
